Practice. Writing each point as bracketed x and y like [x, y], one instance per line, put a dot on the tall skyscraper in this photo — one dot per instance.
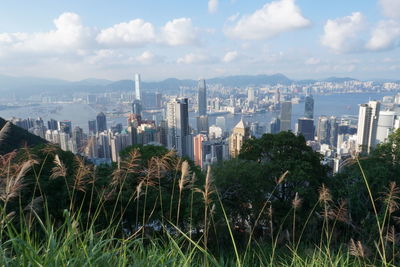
[251, 94]
[101, 121]
[239, 134]
[309, 107]
[385, 125]
[65, 126]
[368, 117]
[178, 126]
[137, 107]
[92, 127]
[138, 92]
[323, 130]
[202, 98]
[286, 116]
[333, 131]
[275, 126]
[306, 128]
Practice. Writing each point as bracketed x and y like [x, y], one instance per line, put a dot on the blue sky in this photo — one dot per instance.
[204, 38]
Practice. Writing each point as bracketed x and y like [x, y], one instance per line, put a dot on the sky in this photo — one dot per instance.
[302, 39]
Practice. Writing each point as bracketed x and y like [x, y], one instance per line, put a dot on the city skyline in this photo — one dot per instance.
[69, 40]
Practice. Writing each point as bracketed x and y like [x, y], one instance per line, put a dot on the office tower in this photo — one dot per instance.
[275, 126]
[138, 92]
[240, 133]
[309, 107]
[386, 123]
[92, 127]
[178, 126]
[202, 98]
[101, 122]
[221, 122]
[323, 130]
[333, 131]
[162, 133]
[77, 139]
[198, 149]
[52, 124]
[65, 126]
[306, 128]
[368, 117]
[137, 107]
[158, 100]
[64, 139]
[104, 146]
[202, 124]
[116, 146]
[286, 116]
[250, 94]
[91, 150]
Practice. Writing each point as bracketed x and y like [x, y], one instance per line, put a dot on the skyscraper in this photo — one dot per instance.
[368, 117]
[137, 107]
[92, 127]
[101, 121]
[333, 131]
[202, 124]
[178, 126]
[306, 128]
[138, 92]
[385, 125]
[275, 126]
[202, 98]
[286, 116]
[323, 130]
[309, 107]
[250, 94]
[239, 134]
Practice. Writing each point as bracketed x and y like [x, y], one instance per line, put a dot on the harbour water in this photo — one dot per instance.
[330, 105]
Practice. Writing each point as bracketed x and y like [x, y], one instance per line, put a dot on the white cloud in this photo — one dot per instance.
[390, 8]
[136, 32]
[193, 58]
[385, 36]
[272, 19]
[230, 56]
[313, 61]
[146, 57]
[212, 6]
[179, 32]
[342, 34]
[69, 35]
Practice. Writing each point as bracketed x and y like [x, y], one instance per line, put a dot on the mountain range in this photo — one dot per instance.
[26, 86]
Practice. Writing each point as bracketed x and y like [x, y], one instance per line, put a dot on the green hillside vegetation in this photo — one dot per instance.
[274, 205]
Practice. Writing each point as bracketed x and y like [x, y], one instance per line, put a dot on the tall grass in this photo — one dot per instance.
[93, 228]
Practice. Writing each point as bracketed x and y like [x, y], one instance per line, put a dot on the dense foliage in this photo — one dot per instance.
[275, 198]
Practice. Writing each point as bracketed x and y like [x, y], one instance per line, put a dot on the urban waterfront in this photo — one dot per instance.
[79, 113]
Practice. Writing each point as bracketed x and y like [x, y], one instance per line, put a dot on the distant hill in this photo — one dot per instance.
[338, 79]
[26, 86]
[13, 137]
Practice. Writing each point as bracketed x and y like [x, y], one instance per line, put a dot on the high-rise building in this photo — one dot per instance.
[138, 92]
[198, 149]
[323, 130]
[368, 117]
[309, 107]
[137, 107]
[178, 126]
[92, 127]
[385, 125]
[275, 126]
[333, 131]
[202, 124]
[65, 126]
[202, 98]
[286, 116]
[306, 128]
[251, 94]
[240, 133]
[101, 122]
[52, 124]
[77, 139]
[158, 100]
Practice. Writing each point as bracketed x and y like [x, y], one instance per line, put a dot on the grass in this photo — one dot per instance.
[31, 236]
